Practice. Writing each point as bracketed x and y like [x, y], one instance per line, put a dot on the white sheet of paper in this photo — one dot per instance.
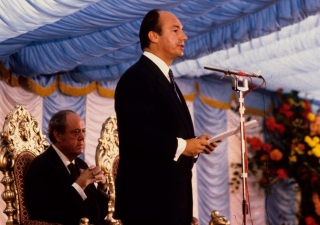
[248, 125]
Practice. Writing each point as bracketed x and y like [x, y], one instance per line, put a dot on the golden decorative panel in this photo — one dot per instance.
[107, 157]
[21, 140]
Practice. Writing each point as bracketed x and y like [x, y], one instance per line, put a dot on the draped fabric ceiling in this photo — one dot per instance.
[89, 43]
[71, 53]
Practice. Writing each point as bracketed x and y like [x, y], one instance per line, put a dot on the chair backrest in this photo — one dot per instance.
[107, 157]
[21, 140]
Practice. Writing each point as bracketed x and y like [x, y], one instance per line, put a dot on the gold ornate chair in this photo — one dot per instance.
[107, 157]
[21, 140]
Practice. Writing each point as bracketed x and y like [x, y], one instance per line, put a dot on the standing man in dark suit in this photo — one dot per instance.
[157, 142]
[57, 192]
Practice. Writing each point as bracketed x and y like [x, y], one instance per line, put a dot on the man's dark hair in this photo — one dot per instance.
[149, 23]
[58, 123]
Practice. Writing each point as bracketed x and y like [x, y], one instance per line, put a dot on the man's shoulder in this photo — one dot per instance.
[41, 163]
[144, 69]
[82, 164]
[45, 159]
[47, 154]
[140, 65]
[135, 74]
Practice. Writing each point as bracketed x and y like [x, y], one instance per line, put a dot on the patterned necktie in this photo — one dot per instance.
[73, 171]
[172, 81]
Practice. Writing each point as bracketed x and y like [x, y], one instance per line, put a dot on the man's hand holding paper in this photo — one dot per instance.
[198, 145]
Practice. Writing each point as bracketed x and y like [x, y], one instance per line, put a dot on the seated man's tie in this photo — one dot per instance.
[73, 171]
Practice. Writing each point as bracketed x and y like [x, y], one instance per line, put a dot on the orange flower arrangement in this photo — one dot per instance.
[276, 155]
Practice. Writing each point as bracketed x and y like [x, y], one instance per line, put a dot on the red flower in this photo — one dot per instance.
[302, 147]
[255, 143]
[285, 109]
[266, 147]
[307, 105]
[306, 112]
[263, 180]
[307, 109]
[271, 123]
[303, 170]
[282, 174]
[314, 177]
[280, 128]
[310, 221]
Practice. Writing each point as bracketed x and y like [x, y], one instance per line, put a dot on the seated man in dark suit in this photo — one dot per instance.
[53, 192]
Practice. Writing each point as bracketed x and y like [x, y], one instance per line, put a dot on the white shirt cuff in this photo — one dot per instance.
[181, 147]
[79, 190]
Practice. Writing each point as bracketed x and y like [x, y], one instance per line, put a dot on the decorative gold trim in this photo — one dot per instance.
[107, 157]
[105, 92]
[8, 77]
[5, 74]
[189, 97]
[43, 91]
[77, 91]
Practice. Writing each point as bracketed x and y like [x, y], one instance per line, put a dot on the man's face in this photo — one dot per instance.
[171, 41]
[71, 143]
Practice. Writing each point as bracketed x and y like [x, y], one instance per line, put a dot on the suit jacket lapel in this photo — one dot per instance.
[180, 106]
[58, 164]
[55, 159]
[187, 114]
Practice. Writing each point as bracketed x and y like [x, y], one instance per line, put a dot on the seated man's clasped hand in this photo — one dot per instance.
[90, 175]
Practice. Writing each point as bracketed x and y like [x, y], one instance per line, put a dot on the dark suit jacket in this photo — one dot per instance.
[50, 197]
[150, 185]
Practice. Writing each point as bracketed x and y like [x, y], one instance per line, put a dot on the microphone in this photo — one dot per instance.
[231, 71]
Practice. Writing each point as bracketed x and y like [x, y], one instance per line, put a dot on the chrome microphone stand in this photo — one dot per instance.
[238, 76]
[240, 89]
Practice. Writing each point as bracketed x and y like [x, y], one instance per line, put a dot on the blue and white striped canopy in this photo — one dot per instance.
[97, 40]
